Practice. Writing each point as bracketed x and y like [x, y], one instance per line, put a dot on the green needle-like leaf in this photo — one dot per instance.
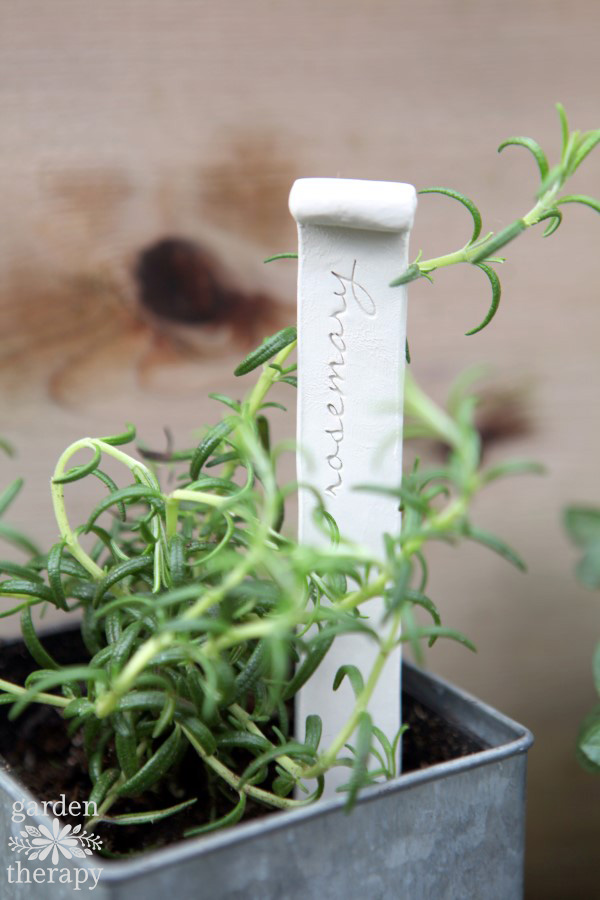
[200, 732]
[123, 570]
[267, 350]
[290, 748]
[7, 567]
[496, 293]
[54, 569]
[494, 543]
[586, 145]
[231, 818]
[222, 398]
[126, 750]
[466, 202]
[133, 493]
[125, 437]
[361, 756]
[432, 632]
[533, 147]
[280, 256]
[17, 587]
[513, 467]
[145, 818]
[78, 472]
[555, 217]
[253, 742]
[251, 672]
[564, 128]
[177, 560]
[387, 749]
[313, 731]
[110, 484]
[209, 443]
[33, 643]
[155, 768]
[580, 198]
[8, 494]
[102, 786]
[354, 677]
[17, 539]
[309, 665]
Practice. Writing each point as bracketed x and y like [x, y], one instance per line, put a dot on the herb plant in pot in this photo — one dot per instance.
[202, 621]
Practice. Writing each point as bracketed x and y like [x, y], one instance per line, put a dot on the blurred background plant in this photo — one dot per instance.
[583, 527]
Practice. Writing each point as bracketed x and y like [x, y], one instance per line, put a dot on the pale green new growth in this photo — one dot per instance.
[481, 252]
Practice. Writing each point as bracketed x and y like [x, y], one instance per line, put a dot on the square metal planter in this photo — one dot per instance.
[454, 830]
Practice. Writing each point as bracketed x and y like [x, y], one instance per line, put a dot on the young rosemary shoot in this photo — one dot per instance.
[482, 251]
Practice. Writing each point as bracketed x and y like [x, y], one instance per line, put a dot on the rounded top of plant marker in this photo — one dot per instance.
[353, 203]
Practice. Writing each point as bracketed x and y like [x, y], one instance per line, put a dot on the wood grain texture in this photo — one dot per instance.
[129, 121]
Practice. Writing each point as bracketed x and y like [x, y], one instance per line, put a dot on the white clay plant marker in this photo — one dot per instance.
[353, 240]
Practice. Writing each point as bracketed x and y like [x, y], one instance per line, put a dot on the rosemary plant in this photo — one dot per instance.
[202, 619]
[197, 610]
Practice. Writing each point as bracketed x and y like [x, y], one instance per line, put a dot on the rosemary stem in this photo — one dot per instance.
[233, 781]
[361, 703]
[268, 377]
[49, 699]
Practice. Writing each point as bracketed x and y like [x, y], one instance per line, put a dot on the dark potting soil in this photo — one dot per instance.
[50, 763]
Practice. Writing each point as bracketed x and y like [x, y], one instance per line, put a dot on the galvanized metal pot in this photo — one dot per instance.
[454, 830]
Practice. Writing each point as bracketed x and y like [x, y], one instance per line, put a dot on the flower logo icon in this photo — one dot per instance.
[53, 841]
[40, 842]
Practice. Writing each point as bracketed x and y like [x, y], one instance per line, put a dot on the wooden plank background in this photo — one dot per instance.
[129, 123]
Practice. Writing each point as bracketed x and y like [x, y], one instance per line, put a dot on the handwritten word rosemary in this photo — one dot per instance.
[336, 365]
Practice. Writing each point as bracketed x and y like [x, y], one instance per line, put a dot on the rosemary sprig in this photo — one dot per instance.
[482, 251]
